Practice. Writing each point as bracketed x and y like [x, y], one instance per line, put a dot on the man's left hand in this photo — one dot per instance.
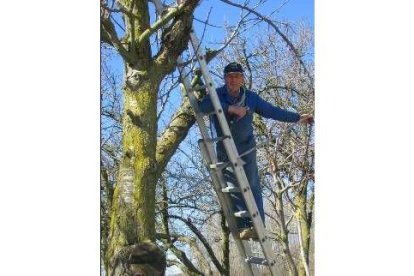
[306, 119]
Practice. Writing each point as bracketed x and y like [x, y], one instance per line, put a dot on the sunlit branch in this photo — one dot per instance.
[160, 23]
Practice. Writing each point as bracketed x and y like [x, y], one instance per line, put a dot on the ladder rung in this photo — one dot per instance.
[219, 165]
[231, 189]
[217, 139]
[247, 151]
[208, 113]
[256, 260]
[242, 214]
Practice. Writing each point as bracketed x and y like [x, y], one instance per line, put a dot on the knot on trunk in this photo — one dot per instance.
[134, 78]
[135, 119]
[139, 259]
[147, 259]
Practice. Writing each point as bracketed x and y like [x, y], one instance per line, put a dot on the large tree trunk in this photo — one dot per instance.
[139, 144]
[133, 213]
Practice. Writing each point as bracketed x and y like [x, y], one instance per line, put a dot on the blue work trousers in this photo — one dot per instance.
[252, 174]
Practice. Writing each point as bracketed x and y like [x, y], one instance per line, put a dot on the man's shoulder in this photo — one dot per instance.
[250, 93]
[221, 89]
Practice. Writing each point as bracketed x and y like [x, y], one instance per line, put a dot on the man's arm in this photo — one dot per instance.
[268, 110]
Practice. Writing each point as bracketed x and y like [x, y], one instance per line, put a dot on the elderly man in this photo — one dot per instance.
[238, 105]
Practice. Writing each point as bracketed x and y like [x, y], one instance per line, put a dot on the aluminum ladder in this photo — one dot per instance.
[206, 144]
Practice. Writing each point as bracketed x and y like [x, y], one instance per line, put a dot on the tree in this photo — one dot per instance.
[131, 248]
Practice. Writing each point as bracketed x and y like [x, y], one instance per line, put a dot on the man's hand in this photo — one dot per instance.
[238, 111]
[306, 119]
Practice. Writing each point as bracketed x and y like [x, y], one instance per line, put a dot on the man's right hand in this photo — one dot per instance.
[238, 111]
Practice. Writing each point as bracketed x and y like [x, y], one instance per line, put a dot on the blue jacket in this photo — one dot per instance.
[242, 130]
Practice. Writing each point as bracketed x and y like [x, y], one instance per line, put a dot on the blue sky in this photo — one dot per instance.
[292, 10]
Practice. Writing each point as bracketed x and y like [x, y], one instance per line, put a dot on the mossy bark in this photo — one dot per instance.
[133, 212]
[171, 137]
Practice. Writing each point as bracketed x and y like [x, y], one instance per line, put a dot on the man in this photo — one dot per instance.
[238, 105]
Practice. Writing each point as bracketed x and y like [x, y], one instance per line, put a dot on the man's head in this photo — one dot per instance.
[233, 76]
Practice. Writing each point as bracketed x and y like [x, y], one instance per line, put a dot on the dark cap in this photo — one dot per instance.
[233, 67]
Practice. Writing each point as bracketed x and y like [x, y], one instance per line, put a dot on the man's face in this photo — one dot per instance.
[234, 81]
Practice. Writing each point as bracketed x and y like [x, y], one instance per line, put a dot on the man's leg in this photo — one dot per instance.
[252, 174]
[236, 199]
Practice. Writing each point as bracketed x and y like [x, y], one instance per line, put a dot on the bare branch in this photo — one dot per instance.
[203, 241]
[109, 36]
[184, 259]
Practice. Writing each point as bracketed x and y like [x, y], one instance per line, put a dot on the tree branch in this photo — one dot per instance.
[161, 22]
[175, 132]
[175, 37]
[203, 241]
[109, 36]
[184, 259]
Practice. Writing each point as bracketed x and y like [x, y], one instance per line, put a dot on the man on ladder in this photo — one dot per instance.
[238, 105]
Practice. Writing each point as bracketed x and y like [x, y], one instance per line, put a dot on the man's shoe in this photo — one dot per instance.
[248, 233]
